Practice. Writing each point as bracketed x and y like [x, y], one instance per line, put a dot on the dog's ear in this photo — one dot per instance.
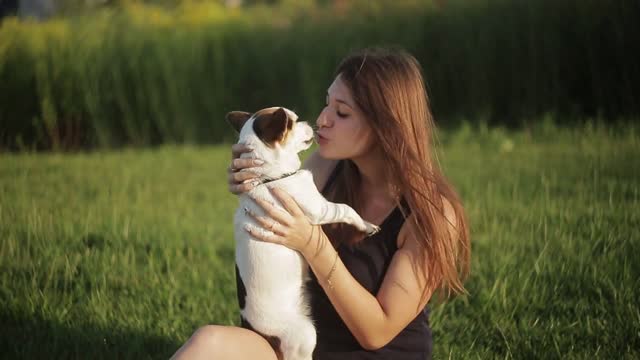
[237, 119]
[273, 127]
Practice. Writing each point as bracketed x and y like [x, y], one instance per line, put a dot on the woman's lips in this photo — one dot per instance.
[321, 139]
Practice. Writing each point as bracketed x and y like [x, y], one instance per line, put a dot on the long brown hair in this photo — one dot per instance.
[388, 87]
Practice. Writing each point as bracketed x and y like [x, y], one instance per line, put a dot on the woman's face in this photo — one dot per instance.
[343, 131]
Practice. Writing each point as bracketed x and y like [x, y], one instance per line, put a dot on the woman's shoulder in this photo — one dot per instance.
[320, 168]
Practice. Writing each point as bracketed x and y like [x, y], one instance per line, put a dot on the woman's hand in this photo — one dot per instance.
[290, 228]
[241, 181]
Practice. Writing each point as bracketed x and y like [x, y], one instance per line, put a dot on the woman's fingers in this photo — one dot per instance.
[263, 234]
[287, 201]
[238, 177]
[239, 164]
[241, 188]
[239, 149]
[242, 181]
[273, 212]
[267, 223]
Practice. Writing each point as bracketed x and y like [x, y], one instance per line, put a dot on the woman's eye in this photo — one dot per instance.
[341, 114]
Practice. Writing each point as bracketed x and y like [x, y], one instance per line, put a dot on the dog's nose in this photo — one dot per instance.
[308, 131]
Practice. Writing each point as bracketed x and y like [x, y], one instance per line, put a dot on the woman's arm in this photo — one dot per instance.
[373, 320]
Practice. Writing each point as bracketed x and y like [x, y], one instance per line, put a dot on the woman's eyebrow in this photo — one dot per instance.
[340, 101]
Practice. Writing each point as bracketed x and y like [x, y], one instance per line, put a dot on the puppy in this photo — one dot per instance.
[271, 277]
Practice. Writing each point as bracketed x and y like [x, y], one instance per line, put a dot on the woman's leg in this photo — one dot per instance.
[225, 342]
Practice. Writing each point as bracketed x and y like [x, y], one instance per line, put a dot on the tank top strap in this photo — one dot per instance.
[393, 223]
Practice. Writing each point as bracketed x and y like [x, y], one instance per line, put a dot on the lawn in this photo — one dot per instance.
[124, 253]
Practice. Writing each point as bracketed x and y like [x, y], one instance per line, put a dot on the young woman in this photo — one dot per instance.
[368, 294]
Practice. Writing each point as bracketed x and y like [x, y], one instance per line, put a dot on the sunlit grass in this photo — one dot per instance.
[123, 254]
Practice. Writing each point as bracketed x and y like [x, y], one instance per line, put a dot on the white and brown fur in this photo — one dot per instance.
[271, 277]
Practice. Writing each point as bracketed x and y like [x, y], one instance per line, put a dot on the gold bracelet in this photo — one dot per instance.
[333, 268]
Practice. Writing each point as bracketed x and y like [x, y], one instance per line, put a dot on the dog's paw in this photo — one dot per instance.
[372, 229]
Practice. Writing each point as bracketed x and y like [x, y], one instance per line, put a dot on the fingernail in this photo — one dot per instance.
[255, 182]
[258, 162]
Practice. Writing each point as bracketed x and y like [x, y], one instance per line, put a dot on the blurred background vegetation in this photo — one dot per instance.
[82, 74]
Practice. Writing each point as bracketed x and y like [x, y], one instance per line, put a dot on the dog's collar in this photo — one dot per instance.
[268, 180]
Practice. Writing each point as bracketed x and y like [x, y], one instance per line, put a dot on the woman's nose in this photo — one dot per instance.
[323, 119]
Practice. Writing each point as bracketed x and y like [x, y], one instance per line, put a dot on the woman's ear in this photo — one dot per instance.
[237, 119]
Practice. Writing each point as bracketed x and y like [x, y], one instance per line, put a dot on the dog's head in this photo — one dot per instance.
[275, 136]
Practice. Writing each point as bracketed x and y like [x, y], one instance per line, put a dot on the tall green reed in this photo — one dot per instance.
[143, 75]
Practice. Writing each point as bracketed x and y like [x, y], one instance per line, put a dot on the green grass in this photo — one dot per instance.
[124, 254]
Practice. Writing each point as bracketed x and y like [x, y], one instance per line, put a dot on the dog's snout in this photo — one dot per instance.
[306, 128]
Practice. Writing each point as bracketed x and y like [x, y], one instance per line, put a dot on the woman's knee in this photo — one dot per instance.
[210, 336]
[202, 344]
[225, 342]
